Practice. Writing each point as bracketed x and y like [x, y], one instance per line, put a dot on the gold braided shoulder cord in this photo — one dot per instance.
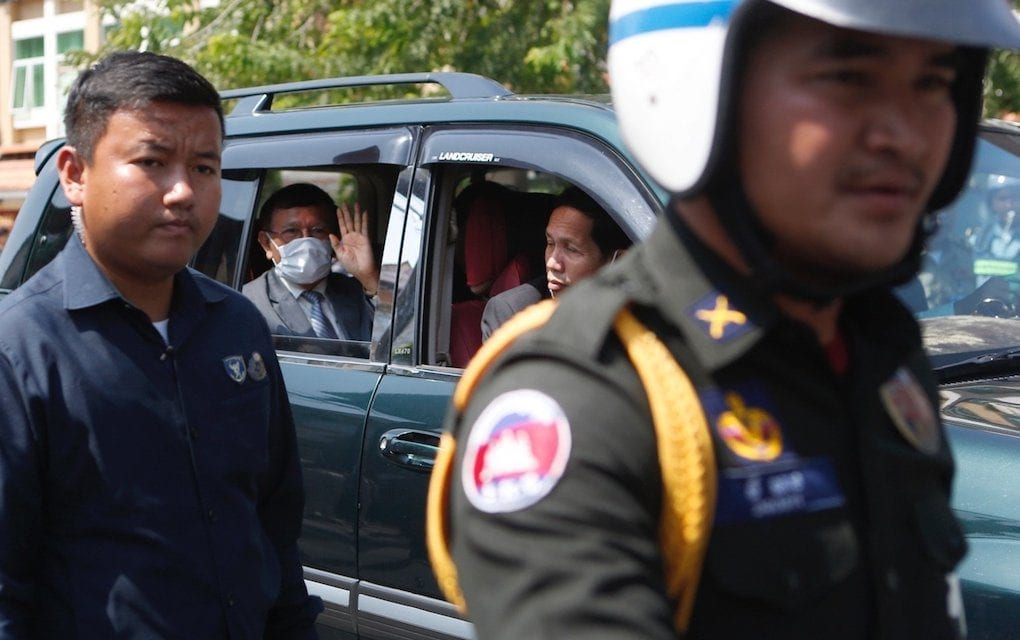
[686, 461]
[684, 448]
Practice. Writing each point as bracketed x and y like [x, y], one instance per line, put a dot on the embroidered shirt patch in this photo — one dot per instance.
[911, 411]
[516, 451]
[234, 366]
[718, 319]
[743, 422]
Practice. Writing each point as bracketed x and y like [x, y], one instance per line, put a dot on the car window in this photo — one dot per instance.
[967, 294]
[354, 168]
[471, 171]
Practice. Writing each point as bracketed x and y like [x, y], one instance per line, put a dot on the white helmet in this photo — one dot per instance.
[670, 67]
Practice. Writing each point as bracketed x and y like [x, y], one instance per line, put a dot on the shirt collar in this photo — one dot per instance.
[297, 290]
[90, 287]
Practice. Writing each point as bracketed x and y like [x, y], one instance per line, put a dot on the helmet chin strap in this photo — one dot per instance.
[755, 242]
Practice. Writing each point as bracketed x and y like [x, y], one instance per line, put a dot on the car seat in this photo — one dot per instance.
[492, 264]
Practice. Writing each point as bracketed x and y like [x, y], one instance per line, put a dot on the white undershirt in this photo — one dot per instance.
[163, 326]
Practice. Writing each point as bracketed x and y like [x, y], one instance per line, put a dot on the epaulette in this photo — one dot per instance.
[686, 456]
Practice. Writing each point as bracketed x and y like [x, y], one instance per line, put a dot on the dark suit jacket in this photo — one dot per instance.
[502, 306]
[285, 317]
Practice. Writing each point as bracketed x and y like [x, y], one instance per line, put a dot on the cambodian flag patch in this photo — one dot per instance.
[516, 451]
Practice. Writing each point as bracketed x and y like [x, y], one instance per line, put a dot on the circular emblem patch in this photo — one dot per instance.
[516, 451]
[750, 432]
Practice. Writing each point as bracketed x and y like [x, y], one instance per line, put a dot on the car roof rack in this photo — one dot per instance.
[253, 100]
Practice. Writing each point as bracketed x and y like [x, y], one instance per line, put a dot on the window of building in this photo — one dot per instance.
[41, 78]
[70, 40]
[67, 41]
[29, 73]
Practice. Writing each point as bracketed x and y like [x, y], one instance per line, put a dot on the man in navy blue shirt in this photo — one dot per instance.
[149, 477]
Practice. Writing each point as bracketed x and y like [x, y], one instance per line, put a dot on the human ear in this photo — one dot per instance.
[71, 169]
[263, 238]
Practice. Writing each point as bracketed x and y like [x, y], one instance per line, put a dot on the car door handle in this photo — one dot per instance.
[410, 448]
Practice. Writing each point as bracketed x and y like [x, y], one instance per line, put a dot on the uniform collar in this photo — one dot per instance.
[687, 293]
[89, 286]
[718, 312]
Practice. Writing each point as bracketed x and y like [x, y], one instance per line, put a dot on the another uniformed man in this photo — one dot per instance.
[807, 495]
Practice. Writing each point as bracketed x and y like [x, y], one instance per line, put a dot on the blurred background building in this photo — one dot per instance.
[34, 35]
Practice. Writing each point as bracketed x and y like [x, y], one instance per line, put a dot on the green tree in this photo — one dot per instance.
[1002, 84]
[542, 45]
[536, 46]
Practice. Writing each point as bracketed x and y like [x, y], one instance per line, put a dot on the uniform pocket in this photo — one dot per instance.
[941, 535]
[786, 564]
[241, 429]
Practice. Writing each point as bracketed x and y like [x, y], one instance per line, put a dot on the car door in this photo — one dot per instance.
[397, 593]
[330, 382]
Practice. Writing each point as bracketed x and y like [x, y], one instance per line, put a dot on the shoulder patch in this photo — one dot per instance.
[721, 321]
[911, 411]
[516, 451]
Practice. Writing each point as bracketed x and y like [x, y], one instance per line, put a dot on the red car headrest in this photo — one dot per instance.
[485, 241]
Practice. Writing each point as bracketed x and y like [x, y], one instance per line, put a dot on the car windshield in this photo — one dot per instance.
[967, 295]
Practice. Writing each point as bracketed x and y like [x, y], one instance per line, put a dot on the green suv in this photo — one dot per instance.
[368, 413]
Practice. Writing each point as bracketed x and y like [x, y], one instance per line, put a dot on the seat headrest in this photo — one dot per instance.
[485, 240]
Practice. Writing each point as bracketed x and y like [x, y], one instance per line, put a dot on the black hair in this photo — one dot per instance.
[130, 80]
[605, 232]
[299, 194]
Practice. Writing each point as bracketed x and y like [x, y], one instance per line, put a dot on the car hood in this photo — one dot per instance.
[987, 405]
[962, 336]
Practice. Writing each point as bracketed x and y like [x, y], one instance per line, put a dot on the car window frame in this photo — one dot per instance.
[256, 156]
[575, 157]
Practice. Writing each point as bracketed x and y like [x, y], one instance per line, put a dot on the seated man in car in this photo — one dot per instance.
[309, 240]
[580, 237]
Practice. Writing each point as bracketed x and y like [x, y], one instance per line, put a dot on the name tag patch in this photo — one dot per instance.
[794, 486]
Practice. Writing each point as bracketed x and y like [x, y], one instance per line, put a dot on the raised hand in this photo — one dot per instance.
[354, 248]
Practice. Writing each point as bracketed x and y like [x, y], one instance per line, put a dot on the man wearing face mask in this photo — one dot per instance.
[302, 232]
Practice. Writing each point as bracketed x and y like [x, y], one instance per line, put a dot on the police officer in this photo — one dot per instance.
[806, 143]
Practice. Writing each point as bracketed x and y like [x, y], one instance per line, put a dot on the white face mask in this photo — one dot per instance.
[304, 260]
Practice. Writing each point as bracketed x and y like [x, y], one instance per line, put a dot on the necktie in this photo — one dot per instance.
[320, 324]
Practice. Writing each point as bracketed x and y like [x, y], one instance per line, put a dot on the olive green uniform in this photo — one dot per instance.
[832, 518]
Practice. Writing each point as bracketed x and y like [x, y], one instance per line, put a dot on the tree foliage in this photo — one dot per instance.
[540, 45]
[1002, 83]
[554, 46]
